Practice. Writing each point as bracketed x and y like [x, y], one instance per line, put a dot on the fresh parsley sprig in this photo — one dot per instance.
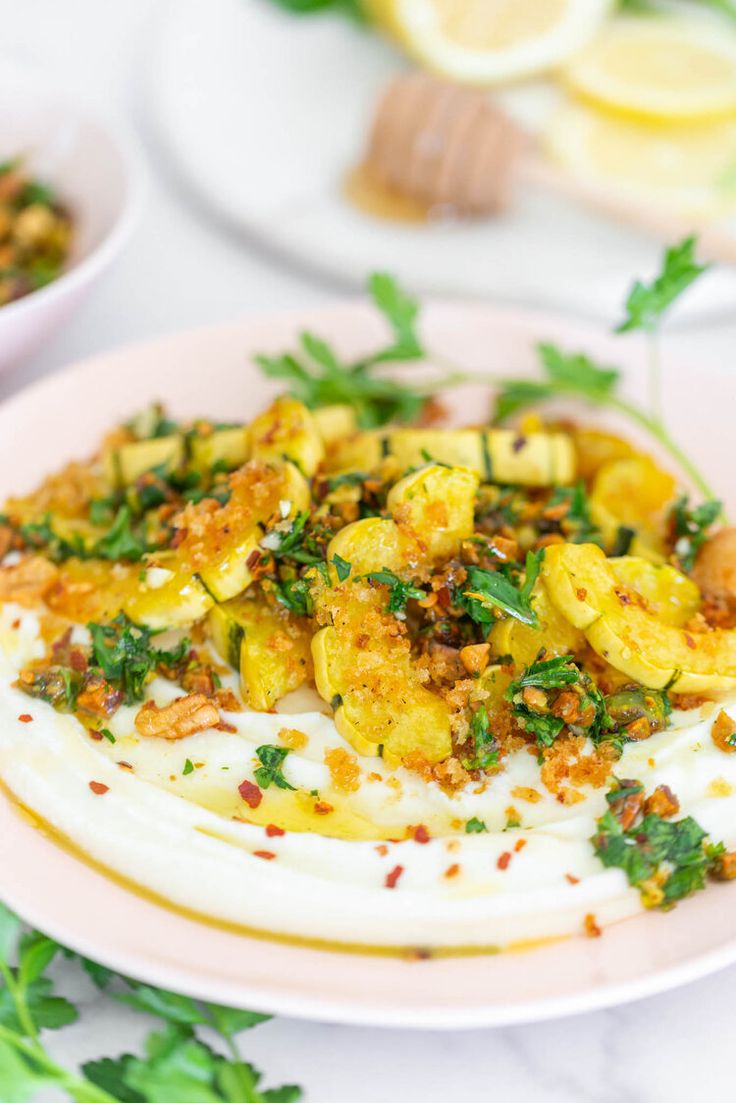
[486, 592]
[176, 1063]
[319, 377]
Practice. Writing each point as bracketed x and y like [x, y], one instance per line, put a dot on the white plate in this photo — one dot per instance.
[206, 372]
[264, 113]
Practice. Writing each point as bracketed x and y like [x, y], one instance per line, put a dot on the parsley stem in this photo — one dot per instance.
[655, 377]
[19, 1001]
[83, 1091]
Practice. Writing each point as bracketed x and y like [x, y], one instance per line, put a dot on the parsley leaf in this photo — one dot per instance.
[535, 697]
[295, 595]
[690, 528]
[318, 377]
[352, 8]
[399, 591]
[120, 541]
[490, 590]
[647, 303]
[342, 567]
[270, 772]
[665, 859]
[123, 652]
[474, 826]
[484, 742]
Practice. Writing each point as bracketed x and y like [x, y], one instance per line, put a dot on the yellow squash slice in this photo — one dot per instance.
[287, 431]
[270, 649]
[364, 669]
[621, 627]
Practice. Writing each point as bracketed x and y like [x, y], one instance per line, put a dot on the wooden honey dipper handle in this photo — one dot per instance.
[449, 148]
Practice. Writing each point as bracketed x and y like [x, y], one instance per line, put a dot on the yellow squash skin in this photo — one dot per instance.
[436, 506]
[363, 667]
[270, 648]
[621, 627]
[287, 431]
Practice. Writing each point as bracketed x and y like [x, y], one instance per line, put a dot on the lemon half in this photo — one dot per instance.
[659, 69]
[488, 41]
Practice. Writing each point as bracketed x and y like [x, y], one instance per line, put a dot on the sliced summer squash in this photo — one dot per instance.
[634, 493]
[287, 431]
[366, 673]
[335, 423]
[496, 455]
[523, 642]
[270, 649]
[436, 505]
[167, 595]
[225, 449]
[668, 592]
[127, 463]
[622, 629]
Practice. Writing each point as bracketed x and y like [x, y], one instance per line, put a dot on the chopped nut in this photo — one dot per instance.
[27, 582]
[725, 867]
[662, 802]
[723, 732]
[534, 698]
[183, 717]
[474, 657]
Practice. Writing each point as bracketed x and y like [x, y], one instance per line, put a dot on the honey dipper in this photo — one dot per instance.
[449, 148]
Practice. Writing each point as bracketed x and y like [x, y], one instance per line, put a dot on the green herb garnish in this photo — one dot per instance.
[342, 567]
[124, 654]
[176, 1064]
[318, 377]
[474, 826]
[647, 303]
[484, 742]
[665, 859]
[486, 591]
[270, 772]
[188, 768]
[399, 592]
[690, 527]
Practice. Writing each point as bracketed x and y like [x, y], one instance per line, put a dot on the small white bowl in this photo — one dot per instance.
[94, 171]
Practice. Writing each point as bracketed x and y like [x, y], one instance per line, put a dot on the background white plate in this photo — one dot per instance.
[207, 372]
[264, 113]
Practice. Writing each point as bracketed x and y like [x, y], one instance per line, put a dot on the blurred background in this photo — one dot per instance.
[272, 152]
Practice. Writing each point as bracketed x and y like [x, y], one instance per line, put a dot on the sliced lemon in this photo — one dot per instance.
[659, 69]
[687, 169]
[487, 41]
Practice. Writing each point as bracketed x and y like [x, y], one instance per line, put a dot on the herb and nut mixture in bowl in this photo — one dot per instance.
[342, 673]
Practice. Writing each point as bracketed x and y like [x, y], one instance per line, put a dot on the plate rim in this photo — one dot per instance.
[327, 1008]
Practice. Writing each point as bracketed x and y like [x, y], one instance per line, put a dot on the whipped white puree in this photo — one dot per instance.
[175, 835]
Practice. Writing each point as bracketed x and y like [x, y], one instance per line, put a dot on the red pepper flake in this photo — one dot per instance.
[272, 830]
[382, 849]
[322, 808]
[97, 736]
[519, 845]
[452, 871]
[572, 878]
[25, 718]
[98, 788]
[504, 859]
[16, 624]
[690, 641]
[581, 593]
[421, 834]
[250, 793]
[267, 855]
[393, 876]
[591, 927]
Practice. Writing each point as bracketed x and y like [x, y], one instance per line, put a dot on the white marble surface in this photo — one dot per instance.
[182, 270]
